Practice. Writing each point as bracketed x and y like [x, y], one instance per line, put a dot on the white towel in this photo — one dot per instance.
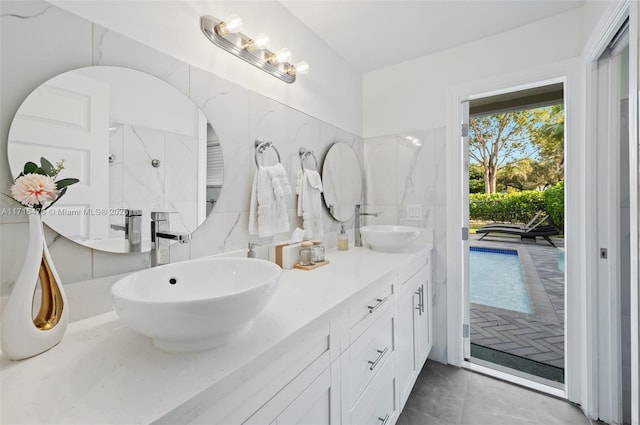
[268, 209]
[279, 180]
[309, 188]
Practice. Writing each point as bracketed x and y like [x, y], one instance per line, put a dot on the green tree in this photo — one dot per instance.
[521, 149]
[547, 135]
[517, 174]
[498, 140]
[476, 181]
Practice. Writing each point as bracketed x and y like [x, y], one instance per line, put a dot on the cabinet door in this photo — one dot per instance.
[423, 322]
[408, 302]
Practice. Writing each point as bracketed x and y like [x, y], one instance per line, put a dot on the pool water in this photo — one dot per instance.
[496, 279]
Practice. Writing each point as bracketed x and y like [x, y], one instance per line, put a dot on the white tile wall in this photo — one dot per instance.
[40, 41]
[400, 173]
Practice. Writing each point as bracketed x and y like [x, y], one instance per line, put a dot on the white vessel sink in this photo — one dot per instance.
[389, 238]
[198, 304]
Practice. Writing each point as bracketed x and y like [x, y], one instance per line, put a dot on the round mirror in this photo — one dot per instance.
[341, 181]
[136, 143]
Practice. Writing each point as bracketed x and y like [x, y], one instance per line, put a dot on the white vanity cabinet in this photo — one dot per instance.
[342, 345]
[385, 338]
[414, 323]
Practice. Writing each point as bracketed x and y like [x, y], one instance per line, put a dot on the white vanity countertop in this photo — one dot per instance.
[103, 372]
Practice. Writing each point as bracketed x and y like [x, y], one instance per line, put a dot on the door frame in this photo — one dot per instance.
[603, 399]
[520, 378]
[568, 72]
[634, 186]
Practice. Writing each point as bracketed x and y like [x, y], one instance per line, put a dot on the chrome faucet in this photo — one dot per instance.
[160, 237]
[132, 229]
[356, 225]
[251, 253]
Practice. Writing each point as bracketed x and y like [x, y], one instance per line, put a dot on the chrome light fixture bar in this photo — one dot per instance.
[252, 51]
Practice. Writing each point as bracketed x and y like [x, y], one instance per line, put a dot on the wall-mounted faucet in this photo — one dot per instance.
[160, 237]
[132, 230]
[356, 225]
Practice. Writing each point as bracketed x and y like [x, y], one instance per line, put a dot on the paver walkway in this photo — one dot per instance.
[530, 336]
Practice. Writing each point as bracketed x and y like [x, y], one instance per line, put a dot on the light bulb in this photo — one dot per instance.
[299, 68]
[302, 68]
[282, 55]
[233, 23]
[261, 41]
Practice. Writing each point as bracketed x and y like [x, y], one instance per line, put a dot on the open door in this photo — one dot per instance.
[464, 140]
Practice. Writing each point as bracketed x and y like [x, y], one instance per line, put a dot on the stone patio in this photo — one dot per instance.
[538, 336]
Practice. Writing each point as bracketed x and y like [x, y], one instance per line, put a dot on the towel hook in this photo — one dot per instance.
[304, 154]
[262, 145]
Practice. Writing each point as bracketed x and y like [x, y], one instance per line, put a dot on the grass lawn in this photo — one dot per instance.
[475, 225]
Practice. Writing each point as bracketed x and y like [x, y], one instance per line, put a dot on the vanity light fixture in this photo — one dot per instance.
[226, 34]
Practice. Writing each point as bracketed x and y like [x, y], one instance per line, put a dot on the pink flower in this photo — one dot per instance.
[34, 189]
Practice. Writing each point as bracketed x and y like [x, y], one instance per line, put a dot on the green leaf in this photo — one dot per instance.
[66, 182]
[60, 194]
[47, 167]
[40, 171]
[30, 167]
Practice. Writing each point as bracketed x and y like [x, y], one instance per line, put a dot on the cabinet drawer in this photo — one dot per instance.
[377, 405]
[412, 268]
[367, 355]
[370, 305]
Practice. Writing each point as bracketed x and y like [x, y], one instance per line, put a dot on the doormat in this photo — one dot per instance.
[522, 364]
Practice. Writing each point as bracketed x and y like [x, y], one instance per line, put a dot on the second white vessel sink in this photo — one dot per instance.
[198, 304]
[389, 238]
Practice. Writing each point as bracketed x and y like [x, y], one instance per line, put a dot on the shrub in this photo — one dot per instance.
[554, 203]
[514, 207]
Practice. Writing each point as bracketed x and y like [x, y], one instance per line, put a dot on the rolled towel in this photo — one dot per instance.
[279, 180]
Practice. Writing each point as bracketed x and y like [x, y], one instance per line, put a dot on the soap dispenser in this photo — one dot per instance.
[343, 239]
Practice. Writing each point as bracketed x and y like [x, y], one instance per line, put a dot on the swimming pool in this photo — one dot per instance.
[496, 279]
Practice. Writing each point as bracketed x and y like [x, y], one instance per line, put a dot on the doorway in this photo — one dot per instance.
[514, 282]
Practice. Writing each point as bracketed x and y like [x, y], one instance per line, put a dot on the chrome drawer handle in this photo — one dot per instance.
[381, 354]
[381, 301]
[385, 419]
[420, 294]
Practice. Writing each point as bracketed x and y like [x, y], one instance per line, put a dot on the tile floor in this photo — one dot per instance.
[447, 395]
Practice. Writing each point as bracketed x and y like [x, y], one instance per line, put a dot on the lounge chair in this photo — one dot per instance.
[529, 231]
[537, 219]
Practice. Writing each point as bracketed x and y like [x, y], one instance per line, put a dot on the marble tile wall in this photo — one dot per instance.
[39, 41]
[409, 169]
[173, 186]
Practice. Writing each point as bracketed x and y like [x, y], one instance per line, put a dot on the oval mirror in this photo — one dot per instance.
[136, 143]
[341, 181]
